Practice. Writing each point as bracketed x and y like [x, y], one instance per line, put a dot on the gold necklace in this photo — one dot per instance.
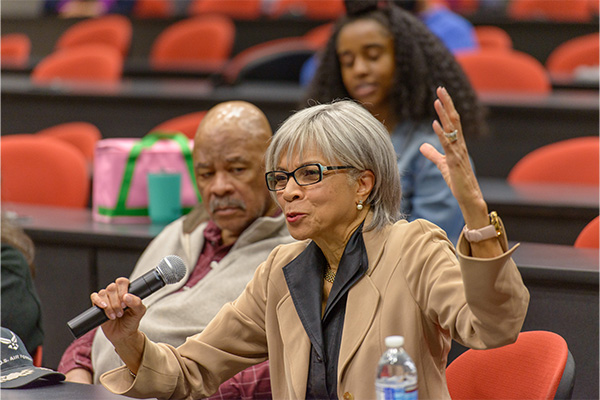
[329, 274]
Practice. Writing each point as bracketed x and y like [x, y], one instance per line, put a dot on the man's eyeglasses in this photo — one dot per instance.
[305, 175]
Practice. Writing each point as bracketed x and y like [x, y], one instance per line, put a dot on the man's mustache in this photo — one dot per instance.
[217, 203]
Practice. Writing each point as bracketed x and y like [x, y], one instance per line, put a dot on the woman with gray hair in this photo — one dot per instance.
[320, 309]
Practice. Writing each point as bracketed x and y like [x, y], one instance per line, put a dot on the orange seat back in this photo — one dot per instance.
[90, 63]
[237, 9]
[193, 41]
[492, 37]
[464, 7]
[111, 30]
[491, 70]
[15, 49]
[40, 170]
[551, 10]
[38, 356]
[319, 36]
[153, 9]
[321, 9]
[571, 161]
[589, 237]
[530, 368]
[186, 124]
[82, 135]
[577, 52]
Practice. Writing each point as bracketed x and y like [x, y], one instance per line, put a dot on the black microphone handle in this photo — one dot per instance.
[94, 316]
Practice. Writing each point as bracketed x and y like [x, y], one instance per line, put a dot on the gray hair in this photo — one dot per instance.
[345, 132]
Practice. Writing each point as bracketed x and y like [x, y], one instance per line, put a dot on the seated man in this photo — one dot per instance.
[221, 254]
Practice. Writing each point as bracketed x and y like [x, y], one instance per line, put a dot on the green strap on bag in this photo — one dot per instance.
[120, 209]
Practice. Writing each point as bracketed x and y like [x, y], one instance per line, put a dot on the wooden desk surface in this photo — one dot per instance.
[559, 197]
[72, 226]
[553, 262]
[61, 391]
[542, 213]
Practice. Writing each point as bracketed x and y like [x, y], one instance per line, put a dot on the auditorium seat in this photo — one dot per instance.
[194, 42]
[15, 49]
[237, 9]
[589, 238]
[111, 30]
[153, 9]
[578, 52]
[319, 36]
[492, 37]
[82, 135]
[274, 60]
[493, 70]
[551, 10]
[90, 63]
[186, 124]
[538, 365]
[42, 170]
[311, 9]
[37, 356]
[464, 7]
[570, 161]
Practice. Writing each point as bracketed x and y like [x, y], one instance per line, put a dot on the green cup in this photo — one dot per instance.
[164, 196]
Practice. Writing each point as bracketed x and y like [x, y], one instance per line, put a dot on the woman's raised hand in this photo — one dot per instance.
[455, 165]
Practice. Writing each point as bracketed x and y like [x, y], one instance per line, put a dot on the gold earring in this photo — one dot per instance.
[359, 206]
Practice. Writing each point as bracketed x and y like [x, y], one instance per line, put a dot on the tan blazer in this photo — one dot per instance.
[415, 286]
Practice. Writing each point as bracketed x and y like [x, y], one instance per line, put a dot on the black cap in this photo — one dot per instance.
[16, 365]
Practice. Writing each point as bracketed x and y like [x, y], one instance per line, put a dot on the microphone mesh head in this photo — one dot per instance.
[172, 269]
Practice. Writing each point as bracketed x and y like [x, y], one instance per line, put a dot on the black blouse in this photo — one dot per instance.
[304, 277]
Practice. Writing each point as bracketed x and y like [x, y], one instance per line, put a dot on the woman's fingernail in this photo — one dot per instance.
[120, 314]
[103, 304]
[123, 305]
[111, 316]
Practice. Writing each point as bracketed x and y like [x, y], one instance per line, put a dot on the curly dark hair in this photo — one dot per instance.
[423, 63]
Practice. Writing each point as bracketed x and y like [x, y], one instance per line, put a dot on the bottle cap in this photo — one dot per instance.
[394, 341]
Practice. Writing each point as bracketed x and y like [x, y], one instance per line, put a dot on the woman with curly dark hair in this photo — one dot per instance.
[386, 59]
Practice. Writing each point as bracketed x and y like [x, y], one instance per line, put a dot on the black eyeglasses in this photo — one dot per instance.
[305, 175]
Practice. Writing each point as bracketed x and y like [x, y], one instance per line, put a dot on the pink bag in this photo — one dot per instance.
[120, 186]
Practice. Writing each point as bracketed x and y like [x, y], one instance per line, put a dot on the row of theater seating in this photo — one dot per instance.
[238, 9]
[552, 10]
[96, 49]
[202, 44]
[53, 166]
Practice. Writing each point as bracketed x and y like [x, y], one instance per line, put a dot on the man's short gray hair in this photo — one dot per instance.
[345, 133]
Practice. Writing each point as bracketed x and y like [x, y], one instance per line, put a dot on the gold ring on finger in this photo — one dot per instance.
[452, 136]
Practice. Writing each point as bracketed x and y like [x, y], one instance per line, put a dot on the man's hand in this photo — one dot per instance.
[79, 375]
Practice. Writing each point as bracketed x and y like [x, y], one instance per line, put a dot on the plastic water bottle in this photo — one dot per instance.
[396, 373]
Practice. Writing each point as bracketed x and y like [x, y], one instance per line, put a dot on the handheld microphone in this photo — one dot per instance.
[170, 270]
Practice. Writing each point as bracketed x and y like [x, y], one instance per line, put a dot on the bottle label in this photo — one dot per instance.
[411, 395]
[396, 392]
